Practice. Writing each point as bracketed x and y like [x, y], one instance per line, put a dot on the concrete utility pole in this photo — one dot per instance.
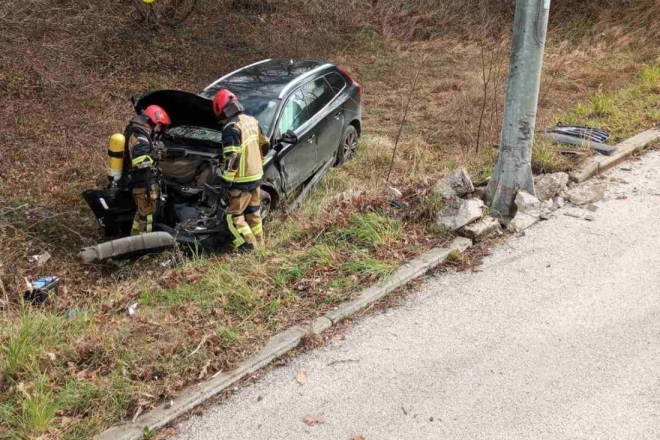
[513, 171]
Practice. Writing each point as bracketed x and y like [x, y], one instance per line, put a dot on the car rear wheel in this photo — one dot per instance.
[348, 145]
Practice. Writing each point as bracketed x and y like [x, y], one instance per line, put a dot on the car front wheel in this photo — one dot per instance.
[265, 204]
[348, 145]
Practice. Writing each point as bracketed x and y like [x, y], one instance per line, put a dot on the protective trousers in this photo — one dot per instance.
[244, 217]
[145, 197]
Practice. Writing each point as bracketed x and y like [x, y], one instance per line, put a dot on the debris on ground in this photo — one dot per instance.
[572, 214]
[584, 195]
[393, 192]
[314, 419]
[131, 309]
[40, 259]
[591, 207]
[458, 213]
[529, 212]
[456, 184]
[481, 229]
[39, 290]
[550, 186]
[301, 377]
[590, 218]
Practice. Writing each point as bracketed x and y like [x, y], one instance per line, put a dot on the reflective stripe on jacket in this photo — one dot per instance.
[244, 162]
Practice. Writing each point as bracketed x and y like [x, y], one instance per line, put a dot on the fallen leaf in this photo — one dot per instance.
[301, 377]
[205, 370]
[357, 437]
[51, 356]
[314, 419]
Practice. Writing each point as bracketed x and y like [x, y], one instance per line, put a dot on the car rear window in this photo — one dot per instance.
[318, 94]
[337, 83]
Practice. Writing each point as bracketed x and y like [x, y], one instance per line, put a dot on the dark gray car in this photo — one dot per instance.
[310, 110]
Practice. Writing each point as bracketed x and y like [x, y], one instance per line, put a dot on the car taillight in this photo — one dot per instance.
[345, 71]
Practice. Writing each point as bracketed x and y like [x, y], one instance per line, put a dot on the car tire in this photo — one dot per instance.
[266, 201]
[348, 145]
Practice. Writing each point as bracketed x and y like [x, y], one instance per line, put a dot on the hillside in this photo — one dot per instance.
[67, 72]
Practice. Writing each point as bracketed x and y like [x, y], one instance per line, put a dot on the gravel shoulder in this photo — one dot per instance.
[557, 337]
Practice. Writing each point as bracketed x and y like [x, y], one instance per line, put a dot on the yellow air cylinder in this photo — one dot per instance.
[116, 157]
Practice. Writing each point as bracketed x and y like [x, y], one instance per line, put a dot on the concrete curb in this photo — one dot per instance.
[623, 152]
[279, 345]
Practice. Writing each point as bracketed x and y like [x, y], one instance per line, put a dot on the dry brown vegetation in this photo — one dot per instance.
[67, 71]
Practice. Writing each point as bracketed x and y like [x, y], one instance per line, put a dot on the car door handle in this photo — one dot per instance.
[311, 139]
[338, 116]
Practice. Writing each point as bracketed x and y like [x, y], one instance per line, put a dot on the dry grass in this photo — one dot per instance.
[66, 73]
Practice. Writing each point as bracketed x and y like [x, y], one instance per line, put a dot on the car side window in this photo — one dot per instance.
[318, 94]
[337, 83]
[294, 114]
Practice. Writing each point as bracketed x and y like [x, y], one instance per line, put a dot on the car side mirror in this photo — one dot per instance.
[288, 138]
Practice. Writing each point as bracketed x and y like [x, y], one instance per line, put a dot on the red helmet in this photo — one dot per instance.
[222, 98]
[157, 115]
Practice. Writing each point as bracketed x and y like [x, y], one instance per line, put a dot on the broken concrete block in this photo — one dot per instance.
[522, 221]
[458, 213]
[551, 185]
[584, 195]
[590, 218]
[527, 202]
[456, 184]
[530, 211]
[559, 202]
[481, 229]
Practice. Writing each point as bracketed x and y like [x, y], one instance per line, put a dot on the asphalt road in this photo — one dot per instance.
[557, 338]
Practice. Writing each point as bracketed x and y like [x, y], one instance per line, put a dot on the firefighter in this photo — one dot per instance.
[244, 147]
[141, 133]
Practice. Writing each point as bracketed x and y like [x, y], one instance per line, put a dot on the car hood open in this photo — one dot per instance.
[184, 108]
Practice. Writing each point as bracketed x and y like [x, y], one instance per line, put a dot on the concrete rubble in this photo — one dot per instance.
[551, 185]
[456, 184]
[584, 195]
[481, 229]
[530, 211]
[458, 213]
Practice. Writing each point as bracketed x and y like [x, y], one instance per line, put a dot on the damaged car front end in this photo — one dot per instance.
[193, 202]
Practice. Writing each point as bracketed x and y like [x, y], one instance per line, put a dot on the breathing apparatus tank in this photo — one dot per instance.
[116, 153]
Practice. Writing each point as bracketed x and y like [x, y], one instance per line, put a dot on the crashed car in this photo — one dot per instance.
[311, 112]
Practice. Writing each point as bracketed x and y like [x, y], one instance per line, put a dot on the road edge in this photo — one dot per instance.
[624, 150]
[279, 345]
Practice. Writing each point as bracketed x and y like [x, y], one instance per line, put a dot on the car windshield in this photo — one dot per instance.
[196, 133]
[263, 109]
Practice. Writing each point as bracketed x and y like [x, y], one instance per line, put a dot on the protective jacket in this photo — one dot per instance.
[140, 149]
[244, 148]
[143, 176]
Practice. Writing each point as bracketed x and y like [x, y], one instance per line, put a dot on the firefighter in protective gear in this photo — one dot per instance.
[141, 134]
[244, 148]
